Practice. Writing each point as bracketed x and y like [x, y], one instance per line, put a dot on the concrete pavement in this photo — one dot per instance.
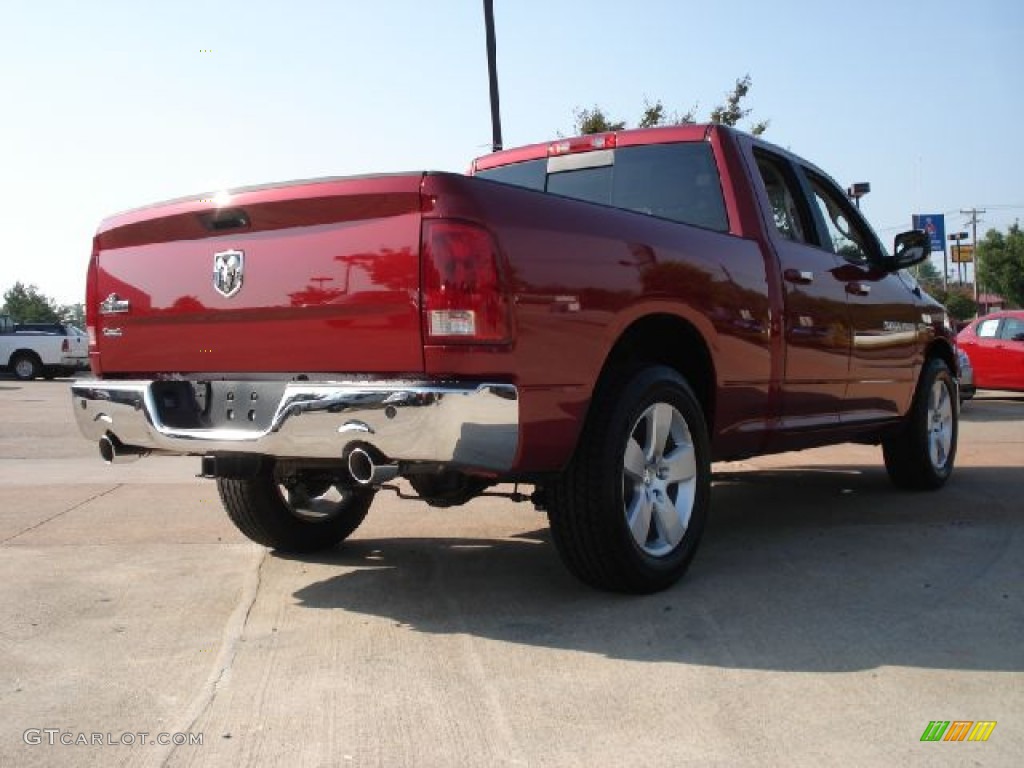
[827, 619]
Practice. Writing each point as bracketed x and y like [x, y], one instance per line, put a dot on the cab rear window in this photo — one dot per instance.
[671, 181]
[530, 174]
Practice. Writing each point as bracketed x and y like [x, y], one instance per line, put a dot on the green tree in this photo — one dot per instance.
[73, 314]
[926, 271]
[594, 120]
[960, 305]
[26, 304]
[1000, 260]
[930, 278]
[730, 112]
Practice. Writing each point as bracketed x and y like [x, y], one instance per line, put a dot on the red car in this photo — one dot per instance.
[995, 344]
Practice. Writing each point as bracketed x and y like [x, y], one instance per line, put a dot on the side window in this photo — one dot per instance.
[782, 196]
[1011, 327]
[846, 237]
[987, 328]
[672, 181]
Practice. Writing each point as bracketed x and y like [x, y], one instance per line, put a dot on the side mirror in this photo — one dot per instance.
[910, 248]
[1017, 337]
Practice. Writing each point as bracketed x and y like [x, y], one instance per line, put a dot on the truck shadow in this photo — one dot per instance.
[824, 569]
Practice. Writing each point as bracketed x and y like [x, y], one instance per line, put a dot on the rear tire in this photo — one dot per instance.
[303, 512]
[26, 366]
[921, 455]
[628, 513]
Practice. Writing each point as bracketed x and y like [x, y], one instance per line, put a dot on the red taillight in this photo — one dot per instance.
[582, 144]
[92, 306]
[91, 299]
[65, 346]
[463, 291]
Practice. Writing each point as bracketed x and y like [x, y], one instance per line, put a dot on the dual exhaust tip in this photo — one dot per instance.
[113, 451]
[366, 465]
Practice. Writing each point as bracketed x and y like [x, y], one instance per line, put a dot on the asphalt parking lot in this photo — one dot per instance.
[827, 620]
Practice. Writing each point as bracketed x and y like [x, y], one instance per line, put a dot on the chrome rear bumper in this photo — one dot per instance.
[465, 424]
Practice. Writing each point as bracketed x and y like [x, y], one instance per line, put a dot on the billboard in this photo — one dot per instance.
[962, 254]
[935, 225]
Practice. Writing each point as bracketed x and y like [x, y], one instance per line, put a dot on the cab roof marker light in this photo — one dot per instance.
[582, 144]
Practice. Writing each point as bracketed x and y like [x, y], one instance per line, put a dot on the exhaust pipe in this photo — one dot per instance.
[366, 471]
[113, 451]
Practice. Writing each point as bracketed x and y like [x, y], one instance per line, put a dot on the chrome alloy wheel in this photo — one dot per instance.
[659, 479]
[940, 424]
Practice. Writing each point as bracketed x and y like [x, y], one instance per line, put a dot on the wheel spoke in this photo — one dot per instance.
[940, 424]
[634, 462]
[681, 464]
[942, 400]
[935, 450]
[659, 426]
[638, 517]
[668, 522]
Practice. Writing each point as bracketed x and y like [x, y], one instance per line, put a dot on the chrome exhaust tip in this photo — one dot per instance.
[366, 471]
[113, 451]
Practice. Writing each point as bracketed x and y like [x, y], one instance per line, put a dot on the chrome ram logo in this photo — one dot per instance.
[227, 272]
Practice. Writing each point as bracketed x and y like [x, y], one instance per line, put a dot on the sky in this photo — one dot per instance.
[110, 105]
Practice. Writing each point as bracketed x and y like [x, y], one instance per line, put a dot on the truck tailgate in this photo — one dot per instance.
[315, 276]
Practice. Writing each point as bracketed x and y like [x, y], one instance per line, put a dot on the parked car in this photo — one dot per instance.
[31, 350]
[600, 317]
[995, 345]
[966, 375]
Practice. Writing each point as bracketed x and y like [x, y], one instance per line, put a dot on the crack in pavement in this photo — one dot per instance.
[63, 512]
[233, 631]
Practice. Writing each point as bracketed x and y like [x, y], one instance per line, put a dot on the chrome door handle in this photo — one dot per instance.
[798, 276]
[858, 289]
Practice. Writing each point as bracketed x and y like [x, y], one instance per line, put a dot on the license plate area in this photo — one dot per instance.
[237, 405]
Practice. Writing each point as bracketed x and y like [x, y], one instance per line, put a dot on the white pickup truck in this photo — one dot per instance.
[59, 350]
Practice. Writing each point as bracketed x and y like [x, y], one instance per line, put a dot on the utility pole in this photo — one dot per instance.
[492, 73]
[974, 238]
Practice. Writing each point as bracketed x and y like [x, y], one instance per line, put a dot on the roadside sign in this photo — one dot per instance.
[935, 225]
[962, 255]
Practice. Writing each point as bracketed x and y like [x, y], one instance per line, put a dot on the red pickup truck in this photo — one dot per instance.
[600, 317]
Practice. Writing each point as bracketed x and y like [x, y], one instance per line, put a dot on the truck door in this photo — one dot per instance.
[886, 320]
[815, 324]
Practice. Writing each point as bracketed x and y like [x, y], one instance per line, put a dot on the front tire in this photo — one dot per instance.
[921, 455]
[298, 512]
[628, 513]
